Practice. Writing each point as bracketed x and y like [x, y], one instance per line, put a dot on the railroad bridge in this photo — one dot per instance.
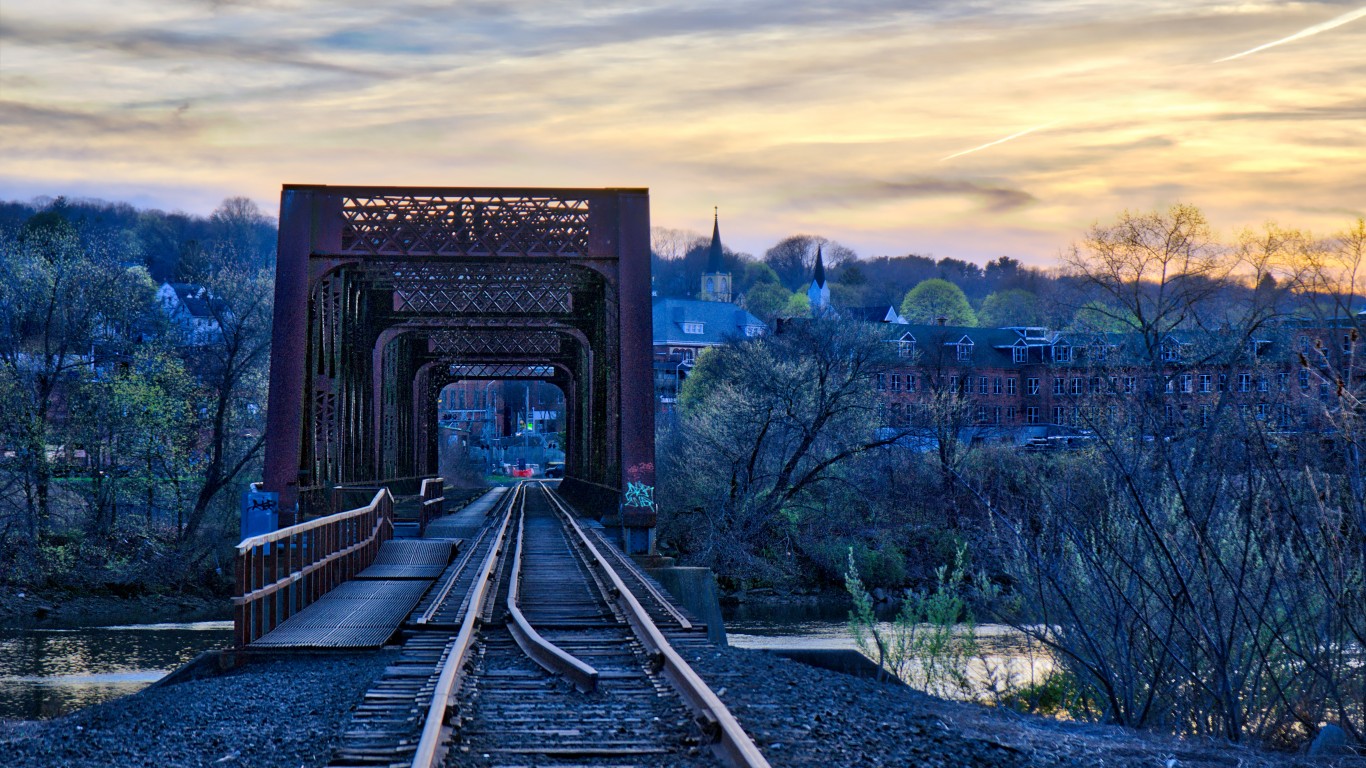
[384, 295]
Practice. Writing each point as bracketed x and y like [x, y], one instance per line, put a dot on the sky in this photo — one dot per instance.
[943, 127]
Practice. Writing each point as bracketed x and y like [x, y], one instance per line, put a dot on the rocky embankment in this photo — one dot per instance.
[289, 712]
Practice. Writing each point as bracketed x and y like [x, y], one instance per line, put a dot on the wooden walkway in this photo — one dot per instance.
[367, 611]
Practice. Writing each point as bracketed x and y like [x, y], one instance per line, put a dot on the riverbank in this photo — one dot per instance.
[20, 609]
[289, 712]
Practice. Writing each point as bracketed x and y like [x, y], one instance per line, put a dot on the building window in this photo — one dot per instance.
[1130, 385]
[1346, 344]
[1032, 415]
[1263, 411]
[881, 382]
[983, 386]
[1283, 382]
[1206, 382]
[1094, 385]
[896, 382]
[996, 386]
[1057, 414]
[953, 384]
[1059, 386]
[996, 414]
[754, 330]
[910, 382]
[905, 347]
[1062, 353]
[1185, 383]
[1304, 380]
[1204, 415]
[1076, 387]
[1223, 382]
[1171, 352]
[1112, 412]
[1263, 385]
[965, 351]
[1011, 385]
[981, 414]
[1010, 414]
[1019, 354]
[1031, 386]
[1244, 382]
[692, 327]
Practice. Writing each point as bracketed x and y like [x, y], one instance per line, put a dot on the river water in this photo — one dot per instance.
[49, 672]
[1004, 658]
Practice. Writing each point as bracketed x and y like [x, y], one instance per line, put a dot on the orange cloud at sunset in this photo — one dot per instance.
[879, 124]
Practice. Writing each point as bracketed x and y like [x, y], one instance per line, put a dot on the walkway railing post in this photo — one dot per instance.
[281, 573]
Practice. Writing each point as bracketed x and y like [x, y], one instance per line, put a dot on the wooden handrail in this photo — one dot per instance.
[317, 522]
[282, 572]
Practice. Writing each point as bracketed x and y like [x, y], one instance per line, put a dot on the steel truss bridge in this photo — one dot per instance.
[384, 295]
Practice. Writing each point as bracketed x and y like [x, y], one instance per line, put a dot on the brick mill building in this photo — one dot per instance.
[1029, 384]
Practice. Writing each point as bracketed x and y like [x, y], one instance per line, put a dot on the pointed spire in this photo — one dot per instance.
[819, 278]
[714, 265]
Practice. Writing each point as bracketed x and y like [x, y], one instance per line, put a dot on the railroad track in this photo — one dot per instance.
[542, 645]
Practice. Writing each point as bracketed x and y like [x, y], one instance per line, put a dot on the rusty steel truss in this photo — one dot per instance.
[384, 295]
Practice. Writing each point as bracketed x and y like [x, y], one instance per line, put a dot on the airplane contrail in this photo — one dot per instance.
[1314, 30]
[1025, 132]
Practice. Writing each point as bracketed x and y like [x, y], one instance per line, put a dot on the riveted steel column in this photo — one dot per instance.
[288, 352]
[636, 420]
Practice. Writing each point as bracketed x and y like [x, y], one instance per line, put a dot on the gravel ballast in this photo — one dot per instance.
[277, 712]
[804, 716]
[287, 712]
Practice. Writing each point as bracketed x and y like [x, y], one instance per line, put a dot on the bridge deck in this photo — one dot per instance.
[365, 612]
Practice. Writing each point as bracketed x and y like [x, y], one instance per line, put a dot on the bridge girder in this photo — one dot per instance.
[384, 294]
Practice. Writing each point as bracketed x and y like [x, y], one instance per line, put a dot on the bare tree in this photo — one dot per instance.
[232, 369]
[767, 423]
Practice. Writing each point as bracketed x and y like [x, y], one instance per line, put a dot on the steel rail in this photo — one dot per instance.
[444, 591]
[545, 653]
[645, 584]
[731, 742]
[429, 746]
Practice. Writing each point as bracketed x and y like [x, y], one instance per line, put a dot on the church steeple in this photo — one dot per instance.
[715, 283]
[714, 252]
[819, 293]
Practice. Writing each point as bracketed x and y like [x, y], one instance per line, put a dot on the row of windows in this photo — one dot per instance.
[1186, 383]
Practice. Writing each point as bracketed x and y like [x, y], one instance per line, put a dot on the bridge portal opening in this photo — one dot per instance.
[489, 431]
[386, 296]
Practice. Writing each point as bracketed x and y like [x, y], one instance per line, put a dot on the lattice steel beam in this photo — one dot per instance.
[497, 342]
[500, 371]
[465, 225]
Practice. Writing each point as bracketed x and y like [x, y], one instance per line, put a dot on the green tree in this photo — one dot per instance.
[798, 305]
[1011, 307]
[755, 274]
[935, 298]
[63, 301]
[1096, 316]
[767, 300]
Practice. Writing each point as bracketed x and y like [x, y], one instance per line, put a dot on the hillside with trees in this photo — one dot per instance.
[127, 432]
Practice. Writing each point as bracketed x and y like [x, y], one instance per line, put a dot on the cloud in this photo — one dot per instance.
[55, 120]
[992, 198]
[148, 44]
